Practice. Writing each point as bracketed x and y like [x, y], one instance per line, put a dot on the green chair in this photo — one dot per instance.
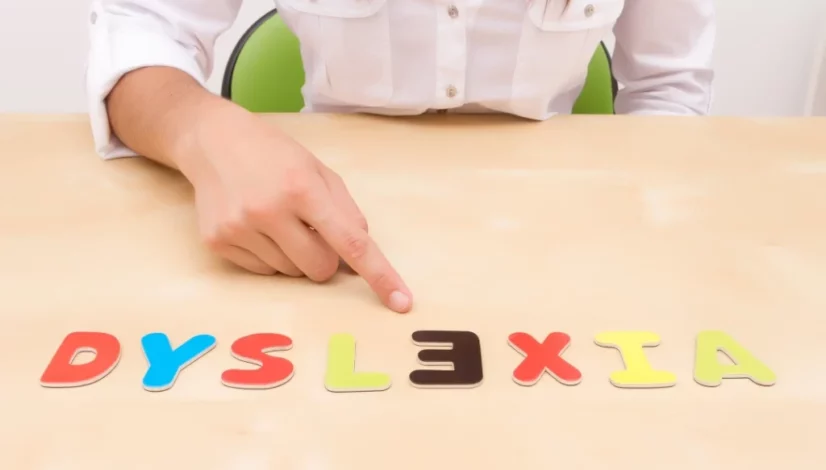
[600, 89]
[265, 74]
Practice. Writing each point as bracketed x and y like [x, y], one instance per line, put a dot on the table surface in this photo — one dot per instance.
[577, 225]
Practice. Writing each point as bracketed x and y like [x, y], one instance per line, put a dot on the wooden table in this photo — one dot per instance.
[578, 225]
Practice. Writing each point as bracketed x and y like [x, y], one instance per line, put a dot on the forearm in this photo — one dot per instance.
[663, 57]
[157, 112]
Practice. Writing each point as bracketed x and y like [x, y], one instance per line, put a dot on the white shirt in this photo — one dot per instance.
[404, 57]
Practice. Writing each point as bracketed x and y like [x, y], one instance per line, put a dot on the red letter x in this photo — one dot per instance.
[542, 357]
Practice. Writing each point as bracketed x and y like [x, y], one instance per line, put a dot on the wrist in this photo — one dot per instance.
[203, 119]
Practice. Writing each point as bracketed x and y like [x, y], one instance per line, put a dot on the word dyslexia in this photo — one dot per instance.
[459, 349]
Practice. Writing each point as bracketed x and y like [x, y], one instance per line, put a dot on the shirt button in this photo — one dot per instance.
[452, 11]
[589, 10]
[451, 91]
[94, 17]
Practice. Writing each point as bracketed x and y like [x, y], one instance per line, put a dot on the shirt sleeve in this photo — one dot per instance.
[126, 35]
[662, 57]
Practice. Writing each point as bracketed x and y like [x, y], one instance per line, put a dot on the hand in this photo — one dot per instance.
[268, 205]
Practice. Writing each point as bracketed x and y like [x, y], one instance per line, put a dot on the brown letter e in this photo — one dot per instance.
[465, 356]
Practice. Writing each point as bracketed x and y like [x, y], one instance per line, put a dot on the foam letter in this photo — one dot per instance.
[542, 357]
[166, 363]
[341, 365]
[61, 372]
[272, 371]
[638, 372]
[465, 356]
[709, 372]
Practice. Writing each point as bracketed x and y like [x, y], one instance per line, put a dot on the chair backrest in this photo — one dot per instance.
[600, 89]
[265, 73]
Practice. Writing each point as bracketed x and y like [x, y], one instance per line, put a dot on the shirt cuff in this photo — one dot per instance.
[118, 46]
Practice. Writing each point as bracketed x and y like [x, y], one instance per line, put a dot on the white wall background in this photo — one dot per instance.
[766, 54]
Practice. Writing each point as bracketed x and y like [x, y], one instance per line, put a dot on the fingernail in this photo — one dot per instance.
[399, 302]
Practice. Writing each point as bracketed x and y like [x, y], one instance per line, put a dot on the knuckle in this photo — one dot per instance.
[362, 223]
[258, 211]
[326, 269]
[265, 212]
[295, 187]
[214, 239]
[335, 177]
[355, 246]
[232, 228]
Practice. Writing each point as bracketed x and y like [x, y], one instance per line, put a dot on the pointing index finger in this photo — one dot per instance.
[362, 254]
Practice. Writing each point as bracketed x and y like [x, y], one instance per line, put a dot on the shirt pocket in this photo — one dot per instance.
[574, 15]
[345, 47]
[558, 41]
